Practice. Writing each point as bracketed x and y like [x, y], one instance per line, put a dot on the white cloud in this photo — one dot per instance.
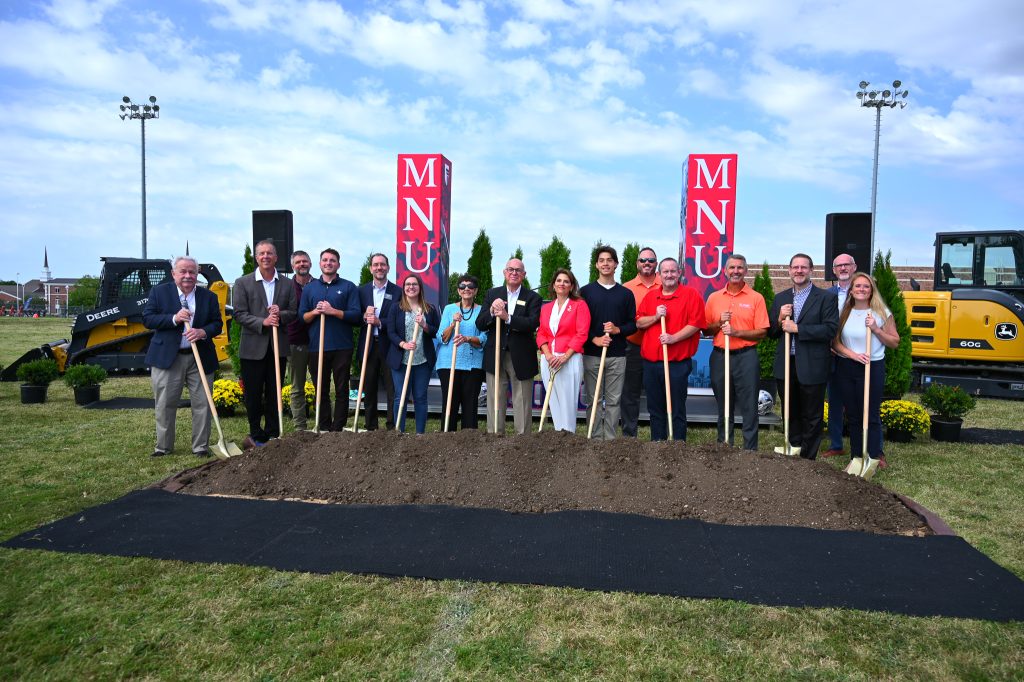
[78, 14]
[521, 34]
[292, 67]
[545, 10]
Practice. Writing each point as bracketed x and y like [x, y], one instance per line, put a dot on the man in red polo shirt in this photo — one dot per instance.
[739, 312]
[683, 311]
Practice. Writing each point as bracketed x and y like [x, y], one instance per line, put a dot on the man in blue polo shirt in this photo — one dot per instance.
[334, 302]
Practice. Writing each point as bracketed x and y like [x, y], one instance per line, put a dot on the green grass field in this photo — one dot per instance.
[67, 616]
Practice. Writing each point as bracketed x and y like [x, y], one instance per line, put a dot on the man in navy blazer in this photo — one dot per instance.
[843, 266]
[811, 316]
[376, 298]
[172, 364]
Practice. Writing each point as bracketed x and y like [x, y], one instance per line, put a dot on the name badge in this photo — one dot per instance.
[522, 303]
[387, 297]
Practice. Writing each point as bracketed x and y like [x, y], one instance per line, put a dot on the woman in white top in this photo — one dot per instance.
[864, 309]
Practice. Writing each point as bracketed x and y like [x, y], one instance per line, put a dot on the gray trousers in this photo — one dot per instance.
[167, 386]
[745, 371]
[606, 421]
[298, 361]
[522, 398]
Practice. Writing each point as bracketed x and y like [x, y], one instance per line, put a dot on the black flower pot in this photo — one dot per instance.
[85, 395]
[899, 435]
[31, 394]
[946, 429]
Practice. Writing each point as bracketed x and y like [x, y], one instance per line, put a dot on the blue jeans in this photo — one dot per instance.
[654, 385]
[418, 381]
[835, 412]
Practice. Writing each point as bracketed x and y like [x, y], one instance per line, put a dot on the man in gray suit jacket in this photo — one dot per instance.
[811, 316]
[262, 301]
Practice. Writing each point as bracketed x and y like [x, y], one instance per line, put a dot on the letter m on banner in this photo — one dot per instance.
[424, 216]
[707, 219]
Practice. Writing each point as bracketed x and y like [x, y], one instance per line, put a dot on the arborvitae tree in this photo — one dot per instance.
[629, 256]
[897, 360]
[479, 264]
[593, 262]
[235, 333]
[766, 346]
[453, 287]
[519, 254]
[553, 256]
[248, 262]
[364, 274]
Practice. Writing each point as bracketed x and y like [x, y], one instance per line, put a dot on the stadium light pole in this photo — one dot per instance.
[878, 99]
[132, 111]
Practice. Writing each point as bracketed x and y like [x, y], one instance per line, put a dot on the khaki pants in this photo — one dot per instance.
[607, 419]
[167, 386]
[522, 398]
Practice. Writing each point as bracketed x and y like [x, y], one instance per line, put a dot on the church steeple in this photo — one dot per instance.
[46, 266]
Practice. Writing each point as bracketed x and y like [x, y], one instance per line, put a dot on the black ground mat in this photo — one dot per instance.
[992, 436]
[931, 576]
[130, 404]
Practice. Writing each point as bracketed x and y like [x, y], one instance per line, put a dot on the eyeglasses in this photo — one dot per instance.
[466, 285]
[843, 265]
[646, 260]
[515, 271]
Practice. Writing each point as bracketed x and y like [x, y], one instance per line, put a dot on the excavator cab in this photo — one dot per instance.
[969, 331]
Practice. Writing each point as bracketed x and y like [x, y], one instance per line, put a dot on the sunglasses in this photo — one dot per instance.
[646, 260]
[464, 286]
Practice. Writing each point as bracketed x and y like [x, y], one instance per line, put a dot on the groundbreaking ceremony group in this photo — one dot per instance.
[618, 339]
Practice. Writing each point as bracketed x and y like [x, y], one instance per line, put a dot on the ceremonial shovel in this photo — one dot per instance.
[597, 390]
[408, 373]
[785, 400]
[728, 385]
[451, 380]
[668, 388]
[277, 376]
[222, 448]
[864, 466]
[362, 376]
[320, 371]
[498, 392]
[547, 397]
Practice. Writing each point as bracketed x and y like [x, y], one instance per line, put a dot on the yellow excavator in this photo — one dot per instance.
[112, 334]
[969, 331]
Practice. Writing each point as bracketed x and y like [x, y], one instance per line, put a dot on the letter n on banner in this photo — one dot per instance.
[708, 219]
[424, 211]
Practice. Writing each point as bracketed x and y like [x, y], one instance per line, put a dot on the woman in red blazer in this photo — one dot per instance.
[564, 324]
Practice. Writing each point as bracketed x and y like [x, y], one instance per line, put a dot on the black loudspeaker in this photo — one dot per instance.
[276, 226]
[848, 233]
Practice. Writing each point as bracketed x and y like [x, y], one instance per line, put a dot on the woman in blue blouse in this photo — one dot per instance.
[412, 310]
[469, 354]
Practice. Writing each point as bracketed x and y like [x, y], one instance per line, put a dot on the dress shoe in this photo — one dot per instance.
[248, 443]
[794, 450]
[201, 453]
[833, 453]
[159, 453]
[882, 463]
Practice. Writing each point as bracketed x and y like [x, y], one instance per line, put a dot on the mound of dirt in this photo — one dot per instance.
[553, 471]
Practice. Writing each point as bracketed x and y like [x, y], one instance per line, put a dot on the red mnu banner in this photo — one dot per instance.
[424, 211]
[708, 219]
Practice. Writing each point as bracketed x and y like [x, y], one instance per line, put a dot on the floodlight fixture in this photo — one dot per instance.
[148, 111]
[878, 100]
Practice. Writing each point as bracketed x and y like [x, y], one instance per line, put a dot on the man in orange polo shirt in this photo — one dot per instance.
[683, 311]
[633, 383]
[739, 312]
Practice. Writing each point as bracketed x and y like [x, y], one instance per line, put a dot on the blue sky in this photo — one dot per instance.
[560, 118]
